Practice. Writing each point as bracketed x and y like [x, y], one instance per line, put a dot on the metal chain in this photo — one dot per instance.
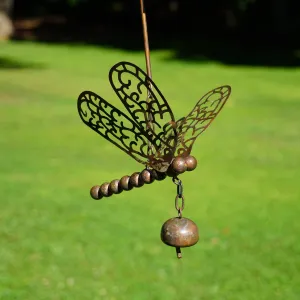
[179, 195]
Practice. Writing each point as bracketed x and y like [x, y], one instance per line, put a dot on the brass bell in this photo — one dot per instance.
[179, 232]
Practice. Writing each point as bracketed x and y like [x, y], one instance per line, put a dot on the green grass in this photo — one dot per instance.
[57, 243]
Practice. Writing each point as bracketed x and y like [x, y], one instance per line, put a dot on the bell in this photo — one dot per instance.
[179, 232]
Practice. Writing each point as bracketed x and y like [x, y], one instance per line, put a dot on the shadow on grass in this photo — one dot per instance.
[10, 63]
[238, 49]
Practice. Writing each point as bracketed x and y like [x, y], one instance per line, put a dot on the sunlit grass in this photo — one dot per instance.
[56, 243]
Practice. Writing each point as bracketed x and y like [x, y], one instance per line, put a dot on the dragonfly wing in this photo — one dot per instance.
[162, 158]
[196, 122]
[143, 100]
[113, 125]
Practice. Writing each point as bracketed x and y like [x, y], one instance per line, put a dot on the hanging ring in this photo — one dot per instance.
[178, 207]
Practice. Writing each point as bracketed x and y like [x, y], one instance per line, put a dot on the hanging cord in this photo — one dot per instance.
[149, 117]
[146, 41]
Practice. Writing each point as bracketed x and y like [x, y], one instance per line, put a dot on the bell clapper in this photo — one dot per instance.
[178, 252]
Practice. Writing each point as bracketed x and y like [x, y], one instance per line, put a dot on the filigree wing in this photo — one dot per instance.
[195, 123]
[114, 126]
[143, 100]
[162, 158]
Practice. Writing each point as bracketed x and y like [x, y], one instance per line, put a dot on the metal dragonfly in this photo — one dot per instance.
[149, 133]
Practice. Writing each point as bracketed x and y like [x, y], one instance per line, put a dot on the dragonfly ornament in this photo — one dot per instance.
[149, 133]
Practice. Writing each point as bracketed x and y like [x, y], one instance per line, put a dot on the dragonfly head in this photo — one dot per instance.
[181, 164]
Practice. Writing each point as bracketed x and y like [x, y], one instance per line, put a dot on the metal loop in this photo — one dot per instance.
[180, 213]
[176, 180]
[179, 184]
[180, 191]
[179, 208]
[179, 195]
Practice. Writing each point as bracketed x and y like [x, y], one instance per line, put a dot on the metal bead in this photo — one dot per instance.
[104, 189]
[125, 183]
[136, 180]
[115, 187]
[179, 165]
[96, 193]
[147, 176]
[158, 175]
[179, 232]
[191, 163]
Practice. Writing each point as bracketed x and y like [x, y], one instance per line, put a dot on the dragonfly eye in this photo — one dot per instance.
[179, 165]
[191, 163]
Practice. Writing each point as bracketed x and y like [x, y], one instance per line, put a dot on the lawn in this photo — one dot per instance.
[57, 243]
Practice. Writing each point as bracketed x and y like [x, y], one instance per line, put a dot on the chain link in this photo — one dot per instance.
[179, 207]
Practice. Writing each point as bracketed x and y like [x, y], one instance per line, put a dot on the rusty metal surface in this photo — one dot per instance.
[179, 165]
[179, 232]
[115, 187]
[125, 184]
[104, 189]
[147, 176]
[95, 192]
[191, 163]
[136, 180]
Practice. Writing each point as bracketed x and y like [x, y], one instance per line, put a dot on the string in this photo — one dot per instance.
[148, 68]
[146, 40]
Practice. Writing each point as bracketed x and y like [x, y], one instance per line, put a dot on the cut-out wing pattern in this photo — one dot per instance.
[113, 125]
[190, 127]
[150, 134]
[204, 112]
[141, 97]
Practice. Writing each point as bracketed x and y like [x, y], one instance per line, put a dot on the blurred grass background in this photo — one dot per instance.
[57, 243]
